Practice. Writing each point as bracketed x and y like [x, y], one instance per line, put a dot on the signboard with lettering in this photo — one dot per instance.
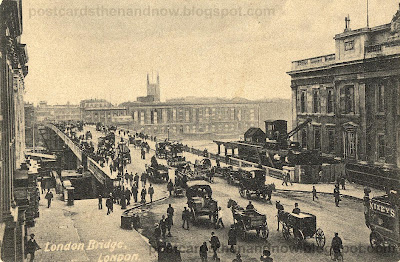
[383, 208]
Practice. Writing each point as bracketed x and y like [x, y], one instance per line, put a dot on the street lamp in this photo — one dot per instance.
[168, 133]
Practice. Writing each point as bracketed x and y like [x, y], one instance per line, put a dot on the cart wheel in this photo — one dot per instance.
[285, 232]
[320, 238]
[375, 240]
[298, 237]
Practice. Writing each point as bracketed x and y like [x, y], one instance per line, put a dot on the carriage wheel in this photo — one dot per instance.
[375, 240]
[298, 237]
[286, 232]
[320, 238]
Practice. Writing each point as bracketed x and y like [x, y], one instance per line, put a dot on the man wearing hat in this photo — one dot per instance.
[266, 256]
[31, 247]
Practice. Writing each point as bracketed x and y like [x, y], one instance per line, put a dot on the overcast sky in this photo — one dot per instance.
[88, 50]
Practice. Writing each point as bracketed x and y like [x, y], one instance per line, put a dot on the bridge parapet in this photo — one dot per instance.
[92, 165]
[75, 148]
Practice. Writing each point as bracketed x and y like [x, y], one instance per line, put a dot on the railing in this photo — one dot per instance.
[313, 62]
[92, 165]
[74, 148]
[273, 172]
[97, 171]
[373, 48]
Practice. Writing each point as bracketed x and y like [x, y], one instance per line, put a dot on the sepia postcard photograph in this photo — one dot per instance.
[199, 130]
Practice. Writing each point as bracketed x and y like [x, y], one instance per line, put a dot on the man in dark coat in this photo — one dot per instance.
[163, 226]
[32, 247]
[170, 213]
[203, 252]
[232, 238]
[143, 195]
[336, 194]
[49, 197]
[135, 193]
[100, 197]
[215, 245]
[136, 179]
[128, 196]
[170, 187]
[109, 205]
[185, 218]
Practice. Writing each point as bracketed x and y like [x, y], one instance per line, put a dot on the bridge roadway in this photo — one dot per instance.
[347, 220]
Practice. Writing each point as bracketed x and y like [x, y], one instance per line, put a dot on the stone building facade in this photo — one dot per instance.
[57, 113]
[201, 119]
[100, 110]
[352, 97]
[13, 70]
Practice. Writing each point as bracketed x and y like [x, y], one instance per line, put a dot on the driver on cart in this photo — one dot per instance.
[250, 206]
[296, 209]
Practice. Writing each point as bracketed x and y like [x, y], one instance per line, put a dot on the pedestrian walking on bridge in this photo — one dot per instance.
[143, 195]
[100, 197]
[49, 197]
[203, 252]
[109, 205]
[135, 193]
[170, 187]
[143, 179]
[185, 218]
[336, 194]
[215, 245]
[151, 192]
[32, 247]
[314, 193]
[170, 213]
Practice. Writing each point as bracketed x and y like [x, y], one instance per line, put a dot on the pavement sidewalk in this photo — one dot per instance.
[83, 232]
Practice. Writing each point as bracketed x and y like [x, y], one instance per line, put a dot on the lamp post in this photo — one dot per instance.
[168, 133]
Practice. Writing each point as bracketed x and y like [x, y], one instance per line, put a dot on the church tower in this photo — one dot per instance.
[153, 87]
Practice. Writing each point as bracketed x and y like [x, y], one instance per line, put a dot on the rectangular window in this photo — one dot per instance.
[317, 137]
[347, 99]
[381, 146]
[303, 102]
[349, 45]
[331, 140]
[329, 101]
[380, 98]
[315, 101]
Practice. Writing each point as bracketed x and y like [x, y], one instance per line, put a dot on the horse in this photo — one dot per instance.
[232, 204]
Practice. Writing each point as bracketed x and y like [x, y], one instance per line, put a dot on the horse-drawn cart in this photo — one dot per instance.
[252, 182]
[200, 202]
[301, 226]
[248, 220]
[158, 174]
